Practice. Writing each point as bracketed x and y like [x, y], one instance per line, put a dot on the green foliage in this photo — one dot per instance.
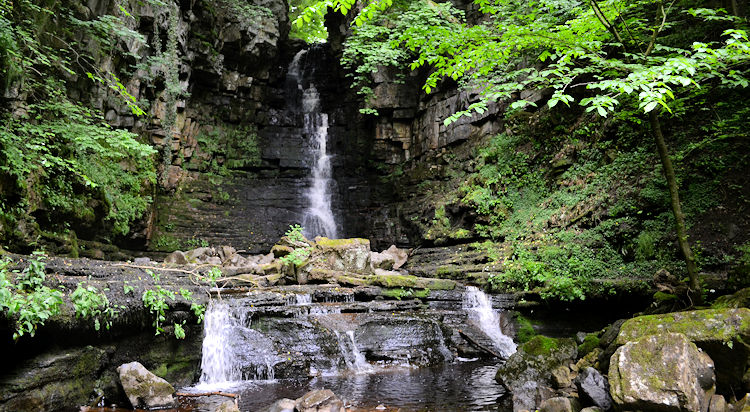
[211, 276]
[89, 303]
[295, 233]
[155, 300]
[313, 31]
[127, 288]
[65, 161]
[375, 44]
[179, 330]
[30, 302]
[297, 257]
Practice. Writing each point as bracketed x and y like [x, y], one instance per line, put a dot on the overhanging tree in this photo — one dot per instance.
[609, 53]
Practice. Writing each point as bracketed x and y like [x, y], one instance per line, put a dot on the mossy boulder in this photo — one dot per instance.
[663, 372]
[351, 255]
[722, 333]
[528, 372]
[143, 388]
[740, 299]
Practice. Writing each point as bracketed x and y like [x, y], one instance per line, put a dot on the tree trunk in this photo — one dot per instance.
[694, 286]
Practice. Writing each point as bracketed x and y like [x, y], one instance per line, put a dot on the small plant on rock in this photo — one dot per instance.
[89, 303]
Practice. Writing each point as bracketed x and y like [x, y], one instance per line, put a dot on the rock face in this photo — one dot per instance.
[664, 372]
[719, 332]
[143, 388]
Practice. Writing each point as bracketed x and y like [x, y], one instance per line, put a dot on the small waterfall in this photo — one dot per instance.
[218, 363]
[355, 360]
[480, 310]
[318, 219]
[231, 350]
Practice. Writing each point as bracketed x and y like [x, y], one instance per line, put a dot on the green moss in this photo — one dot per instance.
[664, 297]
[540, 345]
[401, 293]
[590, 342]
[394, 281]
[525, 329]
[436, 284]
[698, 325]
[339, 243]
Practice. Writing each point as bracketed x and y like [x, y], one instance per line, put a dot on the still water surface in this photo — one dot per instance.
[460, 386]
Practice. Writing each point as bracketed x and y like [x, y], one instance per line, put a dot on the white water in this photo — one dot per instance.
[480, 310]
[232, 351]
[355, 360]
[318, 219]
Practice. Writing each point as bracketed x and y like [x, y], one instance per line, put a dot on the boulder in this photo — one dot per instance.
[228, 406]
[560, 404]
[591, 409]
[177, 258]
[381, 261]
[143, 388]
[399, 256]
[593, 388]
[722, 333]
[282, 405]
[351, 255]
[718, 404]
[664, 372]
[198, 254]
[528, 373]
[322, 400]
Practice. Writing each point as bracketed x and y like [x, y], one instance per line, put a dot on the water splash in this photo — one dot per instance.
[480, 310]
[354, 359]
[318, 219]
[231, 350]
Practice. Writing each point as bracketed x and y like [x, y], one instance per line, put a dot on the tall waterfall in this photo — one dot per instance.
[480, 310]
[318, 219]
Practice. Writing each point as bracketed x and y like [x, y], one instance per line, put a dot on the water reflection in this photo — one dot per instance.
[467, 386]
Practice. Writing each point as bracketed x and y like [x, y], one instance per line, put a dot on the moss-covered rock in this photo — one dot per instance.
[144, 388]
[664, 372]
[740, 299]
[528, 372]
[722, 333]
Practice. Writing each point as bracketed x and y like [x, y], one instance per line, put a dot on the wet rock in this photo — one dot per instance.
[664, 372]
[594, 388]
[143, 388]
[560, 404]
[323, 400]
[719, 332]
[282, 405]
[141, 260]
[528, 372]
[176, 258]
[228, 406]
[47, 381]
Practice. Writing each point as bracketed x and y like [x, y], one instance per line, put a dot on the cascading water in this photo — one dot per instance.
[355, 360]
[231, 350]
[318, 219]
[480, 310]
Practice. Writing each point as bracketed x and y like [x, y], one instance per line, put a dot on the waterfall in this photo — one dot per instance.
[231, 350]
[480, 310]
[355, 360]
[318, 219]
